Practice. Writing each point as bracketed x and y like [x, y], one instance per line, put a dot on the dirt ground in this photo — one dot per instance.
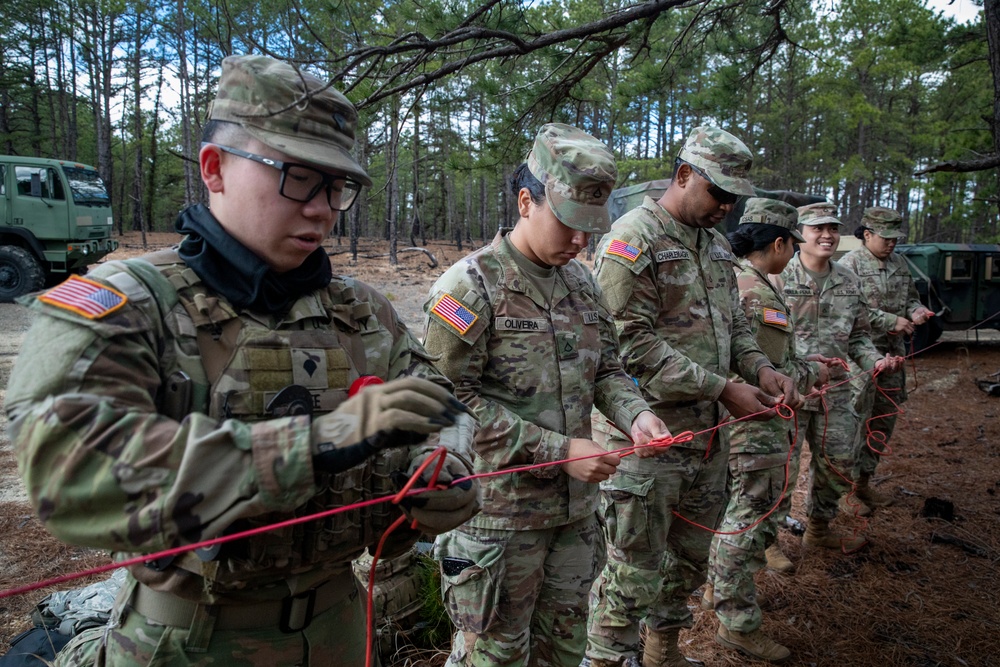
[923, 594]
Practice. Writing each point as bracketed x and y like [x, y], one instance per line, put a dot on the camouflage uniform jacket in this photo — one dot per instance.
[773, 328]
[672, 291]
[833, 322]
[113, 459]
[532, 371]
[890, 291]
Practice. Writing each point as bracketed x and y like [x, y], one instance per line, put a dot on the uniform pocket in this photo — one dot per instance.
[472, 569]
[625, 509]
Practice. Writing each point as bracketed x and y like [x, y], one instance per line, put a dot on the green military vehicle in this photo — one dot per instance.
[623, 200]
[960, 282]
[55, 219]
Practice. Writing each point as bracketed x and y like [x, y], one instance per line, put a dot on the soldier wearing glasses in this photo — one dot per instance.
[210, 388]
[668, 280]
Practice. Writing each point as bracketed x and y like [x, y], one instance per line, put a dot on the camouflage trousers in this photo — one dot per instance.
[877, 408]
[833, 442]
[755, 485]
[335, 637]
[655, 559]
[524, 600]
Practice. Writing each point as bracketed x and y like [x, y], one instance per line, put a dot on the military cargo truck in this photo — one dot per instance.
[959, 282]
[623, 200]
[55, 219]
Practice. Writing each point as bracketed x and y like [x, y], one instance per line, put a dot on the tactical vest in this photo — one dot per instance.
[232, 365]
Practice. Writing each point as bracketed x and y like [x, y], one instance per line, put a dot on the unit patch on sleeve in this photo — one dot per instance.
[454, 313]
[84, 297]
[772, 316]
[622, 249]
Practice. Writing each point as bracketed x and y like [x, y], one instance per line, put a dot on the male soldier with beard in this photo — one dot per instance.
[669, 282]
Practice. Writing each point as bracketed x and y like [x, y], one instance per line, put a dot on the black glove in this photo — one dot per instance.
[438, 512]
[399, 413]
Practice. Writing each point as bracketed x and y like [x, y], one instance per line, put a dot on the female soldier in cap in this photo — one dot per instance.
[523, 333]
[894, 309]
[830, 315]
[764, 242]
[204, 390]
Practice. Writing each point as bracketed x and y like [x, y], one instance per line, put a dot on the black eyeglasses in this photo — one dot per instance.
[301, 183]
[723, 197]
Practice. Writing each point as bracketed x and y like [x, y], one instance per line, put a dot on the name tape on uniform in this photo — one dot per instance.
[84, 297]
[672, 255]
[454, 314]
[518, 324]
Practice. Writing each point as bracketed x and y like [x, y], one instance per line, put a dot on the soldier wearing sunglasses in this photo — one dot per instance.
[669, 282]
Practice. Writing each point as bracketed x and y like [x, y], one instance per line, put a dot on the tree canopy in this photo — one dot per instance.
[868, 102]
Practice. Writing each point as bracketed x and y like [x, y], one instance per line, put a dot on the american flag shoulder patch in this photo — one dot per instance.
[84, 297]
[454, 314]
[772, 316]
[622, 249]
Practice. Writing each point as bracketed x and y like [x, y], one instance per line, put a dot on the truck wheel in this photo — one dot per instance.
[20, 273]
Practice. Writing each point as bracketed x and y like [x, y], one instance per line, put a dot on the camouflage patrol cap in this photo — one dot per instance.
[724, 158]
[885, 222]
[289, 110]
[578, 172]
[820, 213]
[762, 211]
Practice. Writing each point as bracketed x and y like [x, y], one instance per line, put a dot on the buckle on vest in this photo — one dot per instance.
[297, 611]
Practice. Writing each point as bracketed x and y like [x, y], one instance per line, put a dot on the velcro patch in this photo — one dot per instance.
[454, 314]
[772, 316]
[672, 255]
[622, 249]
[84, 297]
[519, 324]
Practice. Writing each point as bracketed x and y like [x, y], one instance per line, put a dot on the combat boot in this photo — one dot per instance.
[661, 650]
[778, 561]
[854, 506]
[754, 644]
[708, 598]
[818, 534]
[870, 496]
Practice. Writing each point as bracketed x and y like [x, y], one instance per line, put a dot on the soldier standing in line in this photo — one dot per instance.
[204, 390]
[523, 333]
[830, 316]
[669, 283]
[764, 242]
[894, 309]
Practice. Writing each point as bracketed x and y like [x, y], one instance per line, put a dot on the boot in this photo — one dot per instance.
[818, 534]
[597, 662]
[778, 561]
[870, 496]
[854, 506]
[754, 644]
[661, 650]
[708, 598]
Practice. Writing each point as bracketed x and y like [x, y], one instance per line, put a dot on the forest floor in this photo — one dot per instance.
[923, 594]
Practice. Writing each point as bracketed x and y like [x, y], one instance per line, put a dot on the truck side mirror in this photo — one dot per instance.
[36, 184]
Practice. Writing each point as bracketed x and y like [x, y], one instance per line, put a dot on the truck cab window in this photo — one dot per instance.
[40, 182]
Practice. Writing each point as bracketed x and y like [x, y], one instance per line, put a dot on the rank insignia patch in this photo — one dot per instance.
[84, 297]
[622, 249]
[454, 313]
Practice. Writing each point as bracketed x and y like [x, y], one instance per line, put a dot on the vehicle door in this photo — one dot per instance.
[39, 201]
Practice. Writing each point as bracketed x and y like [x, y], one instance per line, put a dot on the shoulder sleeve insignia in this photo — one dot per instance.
[772, 316]
[84, 297]
[622, 249]
[454, 313]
